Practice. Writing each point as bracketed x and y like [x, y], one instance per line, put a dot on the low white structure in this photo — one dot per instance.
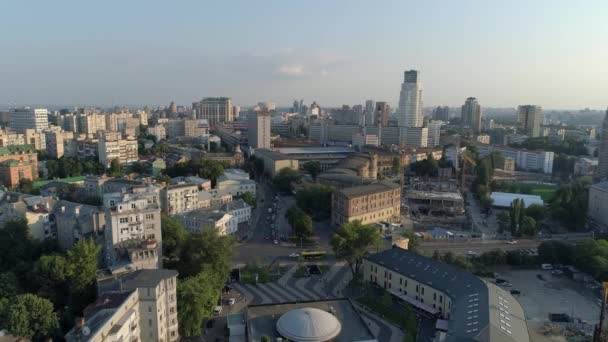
[504, 199]
[235, 182]
[308, 324]
[202, 219]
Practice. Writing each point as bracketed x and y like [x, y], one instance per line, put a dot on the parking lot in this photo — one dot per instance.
[553, 294]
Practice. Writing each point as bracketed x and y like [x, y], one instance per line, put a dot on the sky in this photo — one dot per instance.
[552, 53]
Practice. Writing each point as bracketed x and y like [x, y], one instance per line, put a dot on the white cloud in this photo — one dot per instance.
[290, 70]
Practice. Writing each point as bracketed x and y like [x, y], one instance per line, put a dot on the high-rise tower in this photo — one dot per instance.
[471, 115]
[529, 119]
[410, 100]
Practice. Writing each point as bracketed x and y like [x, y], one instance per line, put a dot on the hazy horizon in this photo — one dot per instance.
[549, 53]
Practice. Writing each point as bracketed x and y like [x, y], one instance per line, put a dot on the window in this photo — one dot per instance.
[149, 216]
[416, 290]
[400, 281]
[434, 296]
[124, 220]
[149, 308]
[150, 322]
[422, 290]
[440, 299]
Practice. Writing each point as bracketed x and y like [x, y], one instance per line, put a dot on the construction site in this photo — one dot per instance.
[434, 203]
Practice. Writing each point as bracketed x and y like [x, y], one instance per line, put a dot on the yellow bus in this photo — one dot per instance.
[313, 254]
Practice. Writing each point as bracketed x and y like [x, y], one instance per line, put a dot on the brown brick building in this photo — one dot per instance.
[369, 203]
[16, 162]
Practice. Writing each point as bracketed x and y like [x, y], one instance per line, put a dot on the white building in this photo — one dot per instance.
[22, 119]
[434, 133]
[111, 146]
[158, 131]
[179, 198]
[235, 182]
[202, 219]
[360, 140]
[133, 228]
[240, 210]
[483, 138]
[529, 160]
[259, 129]
[416, 137]
[410, 100]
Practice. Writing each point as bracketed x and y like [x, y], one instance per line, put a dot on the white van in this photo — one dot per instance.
[546, 266]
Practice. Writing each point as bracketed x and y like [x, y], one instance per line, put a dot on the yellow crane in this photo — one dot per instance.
[467, 158]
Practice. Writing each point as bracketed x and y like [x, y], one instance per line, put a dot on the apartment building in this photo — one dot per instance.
[159, 131]
[368, 203]
[81, 147]
[236, 182]
[55, 141]
[131, 306]
[133, 228]
[112, 146]
[469, 308]
[213, 109]
[22, 119]
[275, 161]
[75, 221]
[210, 218]
[179, 198]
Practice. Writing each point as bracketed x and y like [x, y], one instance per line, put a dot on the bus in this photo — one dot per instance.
[309, 255]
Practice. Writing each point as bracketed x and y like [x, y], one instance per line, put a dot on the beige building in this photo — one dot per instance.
[112, 146]
[179, 198]
[133, 306]
[275, 161]
[55, 142]
[259, 130]
[467, 307]
[368, 203]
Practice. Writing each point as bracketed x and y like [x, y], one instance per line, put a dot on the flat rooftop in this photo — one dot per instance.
[435, 195]
[262, 319]
[274, 155]
[505, 199]
[363, 190]
[315, 150]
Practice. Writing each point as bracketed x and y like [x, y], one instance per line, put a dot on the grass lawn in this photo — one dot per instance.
[544, 191]
[63, 180]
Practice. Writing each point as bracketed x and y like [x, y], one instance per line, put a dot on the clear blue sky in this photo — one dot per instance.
[553, 53]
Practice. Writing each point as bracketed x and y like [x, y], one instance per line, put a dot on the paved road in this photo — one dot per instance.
[462, 248]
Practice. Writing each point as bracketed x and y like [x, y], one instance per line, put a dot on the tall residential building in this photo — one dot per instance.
[112, 146]
[133, 233]
[214, 109]
[441, 113]
[410, 100]
[434, 132]
[529, 119]
[382, 111]
[602, 166]
[369, 113]
[471, 115]
[131, 306]
[259, 129]
[22, 119]
[55, 141]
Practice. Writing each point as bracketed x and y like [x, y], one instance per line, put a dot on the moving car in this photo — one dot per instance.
[294, 255]
[512, 242]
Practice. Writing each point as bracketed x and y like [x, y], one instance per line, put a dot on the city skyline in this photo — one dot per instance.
[133, 59]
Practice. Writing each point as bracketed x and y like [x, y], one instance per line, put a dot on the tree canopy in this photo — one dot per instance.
[196, 298]
[249, 198]
[428, 167]
[315, 199]
[174, 235]
[313, 168]
[283, 180]
[300, 222]
[29, 316]
[205, 249]
[352, 241]
[570, 202]
[206, 168]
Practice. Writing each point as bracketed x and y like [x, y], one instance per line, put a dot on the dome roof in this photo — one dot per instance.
[308, 325]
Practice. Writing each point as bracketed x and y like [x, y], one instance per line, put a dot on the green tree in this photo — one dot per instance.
[413, 239]
[554, 252]
[486, 202]
[211, 169]
[26, 185]
[206, 249]
[115, 169]
[162, 178]
[82, 264]
[537, 212]
[249, 198]
[396, 168]
[16, 244]
[504, 221]
[196, 298]
[411, 323]
[352, 241]
[283, 180]
[174, 235]
[28, 316]
[313, 168]
[315, 199]
[570, 202]
[303, 226]
[9, 284]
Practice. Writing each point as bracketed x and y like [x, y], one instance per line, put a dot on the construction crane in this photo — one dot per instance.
[467, 158]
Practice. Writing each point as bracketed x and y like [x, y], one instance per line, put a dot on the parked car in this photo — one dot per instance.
[515, 292]
[471, 253]
[512, 242]
[546, 266]
[230, 301]
[276, 242]
[294, 255]
[217, 310]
